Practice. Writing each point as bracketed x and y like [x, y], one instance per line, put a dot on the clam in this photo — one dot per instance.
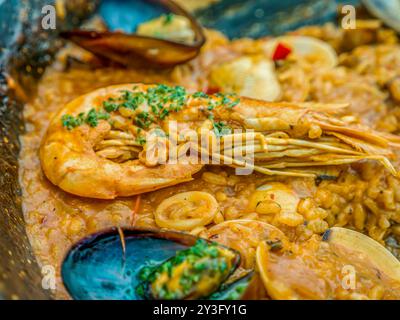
[386, 10]
[134, 264]
[343, 264]
[343, 240]
[251, 76]
[180, 43]
[244, 236]
[274, 193]
[312, 49]
[279, 200]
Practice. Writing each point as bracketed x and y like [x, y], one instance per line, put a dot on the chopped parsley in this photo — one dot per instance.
[221, 129]
[129, 99]
[200, 94]
[227, 101]
[92, 119]
[201, 262]
[162, 100]
[71, 122]
[141, 140]
[168, 18]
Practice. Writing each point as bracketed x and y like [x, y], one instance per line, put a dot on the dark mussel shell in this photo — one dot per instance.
[259, 18]
[131, 49]
[246, 287]
[106, 265]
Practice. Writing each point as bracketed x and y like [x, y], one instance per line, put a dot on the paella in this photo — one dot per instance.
[280, 155]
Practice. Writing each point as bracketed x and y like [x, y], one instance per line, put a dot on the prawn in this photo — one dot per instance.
[97, 145]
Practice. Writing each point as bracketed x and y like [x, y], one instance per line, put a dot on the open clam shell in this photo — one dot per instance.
[244, 235]
[108, 265]
[310, 48]
[130, 49]
[342, 240]
[385, 10]
[344, 264]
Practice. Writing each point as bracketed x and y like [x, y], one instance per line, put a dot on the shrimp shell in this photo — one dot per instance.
[69, 160]
[104, 163]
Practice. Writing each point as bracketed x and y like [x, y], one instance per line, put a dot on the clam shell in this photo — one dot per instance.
[363, 245]
[386, 10]
[305, 46]
[316, 269]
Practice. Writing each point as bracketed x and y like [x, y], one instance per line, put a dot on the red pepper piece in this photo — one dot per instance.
[281, 52]
[212, 90]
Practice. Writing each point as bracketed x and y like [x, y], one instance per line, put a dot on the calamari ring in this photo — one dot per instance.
[186, 211]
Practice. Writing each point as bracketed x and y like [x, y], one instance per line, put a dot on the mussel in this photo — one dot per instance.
[120, 45]
[135, 264]
[151, 264]
[193, 273]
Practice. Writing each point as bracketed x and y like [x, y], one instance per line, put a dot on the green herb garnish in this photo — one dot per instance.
[162, 100]
[200, 94]
[168, 18]
[221, 129]
[141, 140]
[71, 122]
[92, 118]
[205, 265]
